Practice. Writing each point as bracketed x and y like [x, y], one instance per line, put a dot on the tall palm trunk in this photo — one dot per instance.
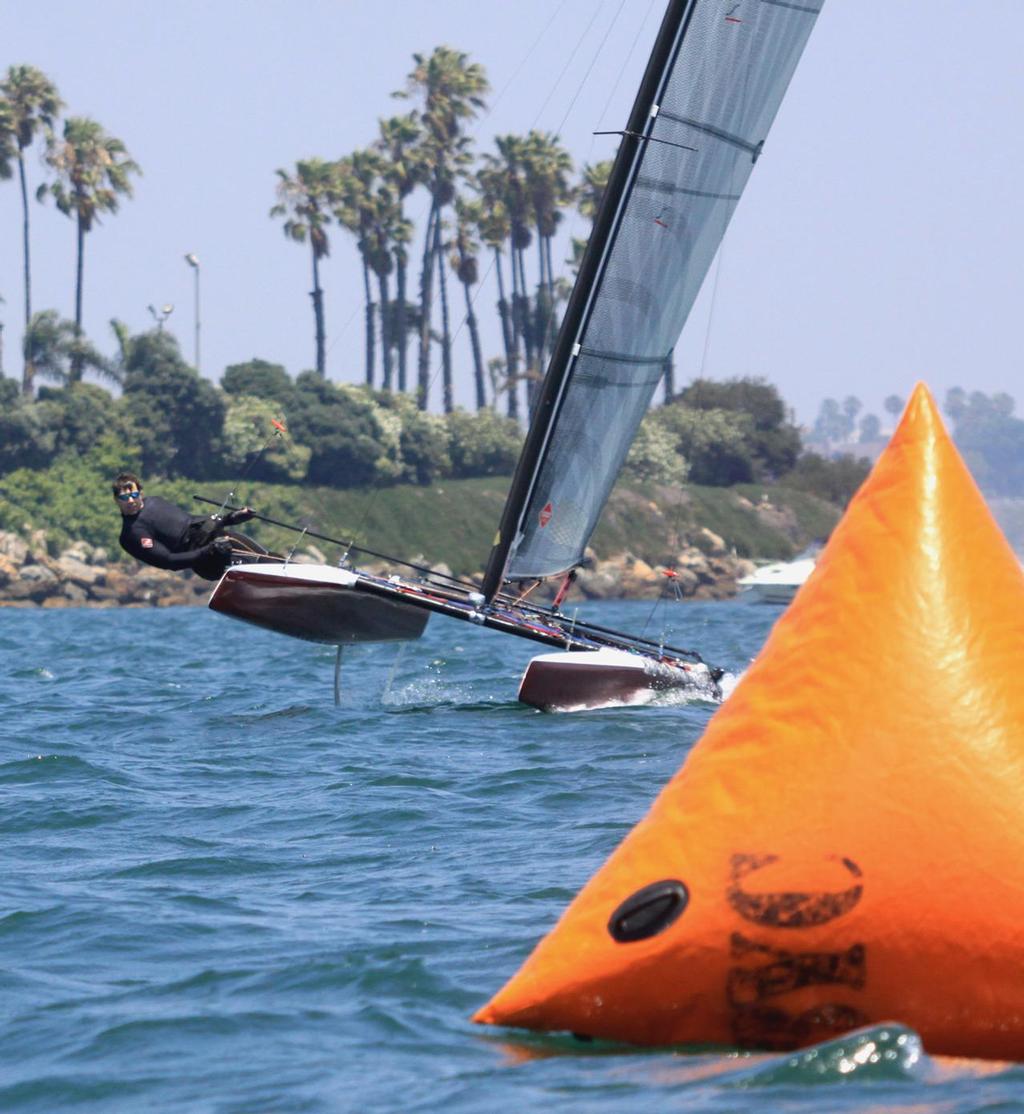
[400, 323]
[318, 316]
[76, 359]
[669, 374]
[511, 362]
[371, 329]
[516, 313]
[549, 323]
[539, 315]
[28, 372]
[528, 332]
[478, 356]
[386, 339]
[426, 306]
[446, 337]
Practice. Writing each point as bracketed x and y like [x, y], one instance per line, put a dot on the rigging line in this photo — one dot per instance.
[625, 62]
[726, 215]
[568, 63]
[344, 329]
[473, 133]
[590, 68]
[554, 318]
[518, 70]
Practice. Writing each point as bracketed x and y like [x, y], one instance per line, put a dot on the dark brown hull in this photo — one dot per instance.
[314, 605]
[574, 681]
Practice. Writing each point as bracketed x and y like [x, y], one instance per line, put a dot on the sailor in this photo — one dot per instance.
[160, 534]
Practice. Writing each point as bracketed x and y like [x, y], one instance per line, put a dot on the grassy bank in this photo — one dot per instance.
[453, 521]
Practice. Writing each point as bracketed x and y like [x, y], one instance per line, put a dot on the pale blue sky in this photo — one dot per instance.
[879, 240]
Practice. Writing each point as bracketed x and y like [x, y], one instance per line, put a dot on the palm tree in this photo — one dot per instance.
[93, 171]
[593, 182]
[507, 173]
[58, 351]
[452, 90]
[494, 226]
[368, 208]
[447, 382]
[399, 143]
[28, 102]
[306, 200]
[547, 166]
[465, 265]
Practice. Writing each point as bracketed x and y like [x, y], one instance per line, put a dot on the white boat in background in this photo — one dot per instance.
[780, 581]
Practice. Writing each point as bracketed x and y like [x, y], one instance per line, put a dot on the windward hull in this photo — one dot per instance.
[316, 603]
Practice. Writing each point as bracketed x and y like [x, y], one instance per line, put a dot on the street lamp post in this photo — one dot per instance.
[160, 315]
[193, 261]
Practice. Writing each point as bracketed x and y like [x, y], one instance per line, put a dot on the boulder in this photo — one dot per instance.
[601, 583]
[8, 570]
[73, 593]
[709, 541]
[13, 548]
[102, 594]
[74, 569]
[80, 551]
[37, 573]
[38, 544]
[21, 591]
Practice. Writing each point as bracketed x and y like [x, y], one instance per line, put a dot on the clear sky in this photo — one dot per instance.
[879, 240]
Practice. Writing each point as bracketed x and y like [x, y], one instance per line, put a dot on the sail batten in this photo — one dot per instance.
[712, 87]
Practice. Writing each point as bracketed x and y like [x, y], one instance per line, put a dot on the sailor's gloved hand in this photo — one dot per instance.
[243, 514]
[220, 547]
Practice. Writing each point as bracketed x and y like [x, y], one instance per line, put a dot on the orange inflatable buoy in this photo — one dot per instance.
[845, 844]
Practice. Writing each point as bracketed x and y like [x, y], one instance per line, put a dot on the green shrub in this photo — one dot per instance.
[482, 443]
[835, 480]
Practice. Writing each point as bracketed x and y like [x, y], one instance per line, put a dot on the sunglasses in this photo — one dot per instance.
[128, 496]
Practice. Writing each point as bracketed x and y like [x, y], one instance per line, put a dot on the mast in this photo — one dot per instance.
[666, 46]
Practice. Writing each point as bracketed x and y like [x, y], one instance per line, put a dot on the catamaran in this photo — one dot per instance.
[712, 87]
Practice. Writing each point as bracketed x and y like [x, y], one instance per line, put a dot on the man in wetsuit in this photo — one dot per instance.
[160, 534]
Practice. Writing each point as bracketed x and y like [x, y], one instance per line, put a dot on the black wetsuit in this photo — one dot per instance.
[164, 535]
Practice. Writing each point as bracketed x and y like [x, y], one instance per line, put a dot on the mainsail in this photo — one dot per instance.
[716, 76]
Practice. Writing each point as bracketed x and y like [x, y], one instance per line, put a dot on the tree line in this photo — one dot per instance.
[90, 171]
[498, 211]
[260, 423]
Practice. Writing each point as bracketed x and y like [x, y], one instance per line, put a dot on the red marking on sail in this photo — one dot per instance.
[545, 515]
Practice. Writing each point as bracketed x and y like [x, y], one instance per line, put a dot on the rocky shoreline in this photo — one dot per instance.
[82, 575]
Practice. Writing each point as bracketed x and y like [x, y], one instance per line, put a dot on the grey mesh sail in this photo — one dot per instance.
[716, 77]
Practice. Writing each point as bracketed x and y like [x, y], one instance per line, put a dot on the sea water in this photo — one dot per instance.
[220, 892]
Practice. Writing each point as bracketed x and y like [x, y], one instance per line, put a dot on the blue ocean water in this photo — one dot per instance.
[220, 892]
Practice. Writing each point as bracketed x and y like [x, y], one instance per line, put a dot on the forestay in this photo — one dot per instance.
[716, 77]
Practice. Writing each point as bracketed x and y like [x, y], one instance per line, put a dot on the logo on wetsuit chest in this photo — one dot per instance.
[146, 543]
